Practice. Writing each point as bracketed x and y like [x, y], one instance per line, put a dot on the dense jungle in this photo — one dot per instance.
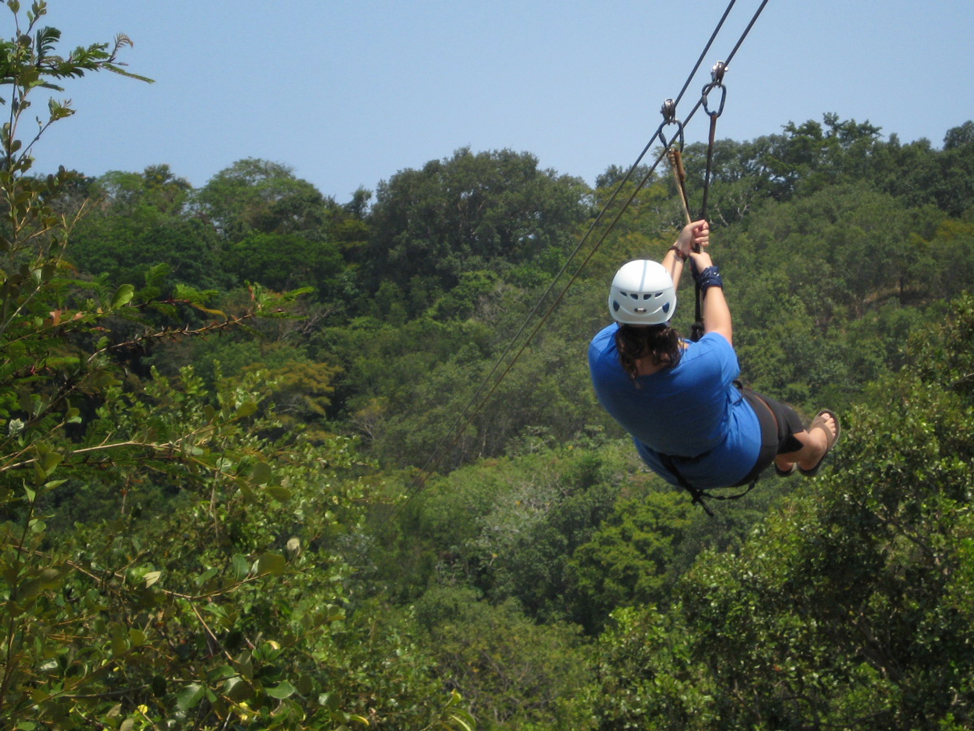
[269, 460]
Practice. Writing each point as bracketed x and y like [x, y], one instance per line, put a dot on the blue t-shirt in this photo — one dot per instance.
[693, 412]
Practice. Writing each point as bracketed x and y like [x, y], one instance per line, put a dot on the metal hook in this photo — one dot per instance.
[679, 134]
[723, 97]
[668, 110]
[717, 79]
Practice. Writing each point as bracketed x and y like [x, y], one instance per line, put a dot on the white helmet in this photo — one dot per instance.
[642, 293]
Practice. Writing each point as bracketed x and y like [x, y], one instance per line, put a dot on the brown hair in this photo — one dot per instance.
[659, 342]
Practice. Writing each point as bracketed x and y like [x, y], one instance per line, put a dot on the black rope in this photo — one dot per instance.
[717, 82]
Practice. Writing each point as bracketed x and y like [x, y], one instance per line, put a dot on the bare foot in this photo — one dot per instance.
[823, 433]
[827, 425]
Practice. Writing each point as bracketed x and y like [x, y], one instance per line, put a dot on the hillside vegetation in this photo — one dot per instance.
[267, 459]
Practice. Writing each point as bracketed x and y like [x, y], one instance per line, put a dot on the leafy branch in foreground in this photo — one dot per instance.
[169, 556]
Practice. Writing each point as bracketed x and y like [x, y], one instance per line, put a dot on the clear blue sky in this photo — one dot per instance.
[350, 92]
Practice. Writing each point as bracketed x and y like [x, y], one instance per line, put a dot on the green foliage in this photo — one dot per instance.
[285, 261]
[850, 607]
[649, 677]
[470, 212]
[511, 670]
[630, 560]
[229, 605]
[186, 540]
[259, 196]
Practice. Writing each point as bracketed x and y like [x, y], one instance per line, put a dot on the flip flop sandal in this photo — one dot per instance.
[817, 422]
[785, 473]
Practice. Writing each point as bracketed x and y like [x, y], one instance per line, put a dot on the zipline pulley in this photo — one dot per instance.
[716, 82]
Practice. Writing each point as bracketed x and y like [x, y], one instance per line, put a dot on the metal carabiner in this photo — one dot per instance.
[723, 97]
[668, 110]
[679, 134]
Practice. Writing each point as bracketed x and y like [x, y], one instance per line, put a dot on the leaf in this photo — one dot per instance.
[261, 473]
[282, 691]
[50, 461]
[238, 690]
[243, 665]
[241, 567]
[247, 408]
[122, 72]
[207, 575]
[465, 722]
[123, 295]
[49, 578]
[279, 493]
[271, 563]
[190, 696]
[120, 640]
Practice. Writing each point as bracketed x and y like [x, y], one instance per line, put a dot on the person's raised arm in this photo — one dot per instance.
[716, 313]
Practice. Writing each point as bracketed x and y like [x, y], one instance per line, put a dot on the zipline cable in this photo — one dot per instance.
[463, 420]
[706, 49]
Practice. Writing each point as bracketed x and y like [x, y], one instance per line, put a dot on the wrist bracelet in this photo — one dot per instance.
[679, 254]
[709, 277]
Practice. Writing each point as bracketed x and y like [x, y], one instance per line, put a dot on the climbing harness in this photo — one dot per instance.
[769, 450]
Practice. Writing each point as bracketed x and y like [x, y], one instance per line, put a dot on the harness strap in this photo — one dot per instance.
[769, 449]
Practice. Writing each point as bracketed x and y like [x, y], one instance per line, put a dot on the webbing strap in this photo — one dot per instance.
[717, 78]
[769, 449]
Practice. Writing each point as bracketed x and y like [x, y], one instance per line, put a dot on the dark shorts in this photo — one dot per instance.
[779, 424]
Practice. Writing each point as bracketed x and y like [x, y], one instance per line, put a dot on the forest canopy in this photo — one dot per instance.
[263, 464]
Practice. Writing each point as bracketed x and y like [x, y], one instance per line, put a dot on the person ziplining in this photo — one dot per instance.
[690, 419]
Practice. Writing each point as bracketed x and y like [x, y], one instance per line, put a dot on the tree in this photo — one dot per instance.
[284, 262]
[140, 221]
[259, 196]
[851, 606]
[227, 607]
[470, 212]
[630, 560]
[514, 672]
